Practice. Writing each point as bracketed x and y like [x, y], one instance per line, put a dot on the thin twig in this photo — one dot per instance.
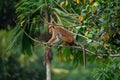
[80, 35]
[115, 55]
[88, 51]
[35, 40]
[60, 6]
[77, 47]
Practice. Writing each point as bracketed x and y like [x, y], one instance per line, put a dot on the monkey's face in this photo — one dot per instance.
[50, 28]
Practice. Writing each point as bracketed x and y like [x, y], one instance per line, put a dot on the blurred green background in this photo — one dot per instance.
[22, 59]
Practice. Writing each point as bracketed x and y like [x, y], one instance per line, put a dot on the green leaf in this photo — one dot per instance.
[27, 44]
[66, 51]
[90, 35]
[101, 19]
[15, 39]
[105, 15]
[94, 8]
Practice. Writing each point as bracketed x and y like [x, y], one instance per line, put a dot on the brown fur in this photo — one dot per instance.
[66, 36]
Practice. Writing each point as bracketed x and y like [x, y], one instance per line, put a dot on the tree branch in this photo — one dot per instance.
[88, 51]
[115, 55]
[35, 40]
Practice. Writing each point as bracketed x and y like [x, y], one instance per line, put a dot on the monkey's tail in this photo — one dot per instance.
[84, 52]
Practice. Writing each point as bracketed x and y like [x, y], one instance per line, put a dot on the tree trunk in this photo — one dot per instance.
[47, 61]
[48, 71]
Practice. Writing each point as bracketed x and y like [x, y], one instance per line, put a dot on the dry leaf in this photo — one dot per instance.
[105, 44]
[91, 1]
[77, 1]
[80, 18]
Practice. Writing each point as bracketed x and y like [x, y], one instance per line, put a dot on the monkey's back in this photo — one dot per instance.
[66, 36]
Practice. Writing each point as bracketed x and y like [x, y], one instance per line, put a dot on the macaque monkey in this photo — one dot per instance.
[60, 33]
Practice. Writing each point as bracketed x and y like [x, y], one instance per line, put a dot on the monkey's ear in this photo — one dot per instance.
[52, 21]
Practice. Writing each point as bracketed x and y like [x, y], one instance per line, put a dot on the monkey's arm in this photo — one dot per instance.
[53, 38]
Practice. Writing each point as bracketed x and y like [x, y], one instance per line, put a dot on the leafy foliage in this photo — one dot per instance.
[96, 27]
[107, 70]
[97, 23]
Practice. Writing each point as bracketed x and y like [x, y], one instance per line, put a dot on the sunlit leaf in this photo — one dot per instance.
[62, 3]
[21, 24]
[98, 31]
[80, 18]
[94, 8]
[106, 36]
[71, 56]
[106, 44]
[89, 40]
[86, 33]
[84, 1]
[90, 35]
[91, 1]
[77, 1]
[61, 57]
[66, 2]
